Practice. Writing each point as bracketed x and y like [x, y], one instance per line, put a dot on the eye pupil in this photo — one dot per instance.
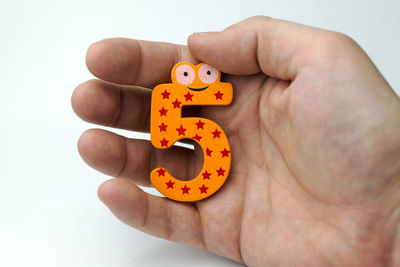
[208, 72]
[185, 73]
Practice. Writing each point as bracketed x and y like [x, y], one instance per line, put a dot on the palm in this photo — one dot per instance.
[314, 160]
[270, 202]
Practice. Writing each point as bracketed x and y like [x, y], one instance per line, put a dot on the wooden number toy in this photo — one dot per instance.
[191, 85]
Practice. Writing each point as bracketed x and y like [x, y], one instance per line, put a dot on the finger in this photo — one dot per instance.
[128, 61]
[108, 104]
[120, 106]
[157, 216]
[133, 159]
[277, 48]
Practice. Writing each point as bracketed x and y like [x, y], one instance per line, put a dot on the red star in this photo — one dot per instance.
[200, 124]
[218, 95]
[176, 103]
[216, 133]
[197, 137]
[206, 175]
[170, 184]
[225, 153]
[203, 189]
[188, 96]
[161, 172]
[165, 95]
[163, 111]
[164, 142]
[221, 172]
[208, 152]
[163, 127]
[185, 190]
[181, 130]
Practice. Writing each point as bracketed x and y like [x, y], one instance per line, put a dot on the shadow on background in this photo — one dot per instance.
[172, 254]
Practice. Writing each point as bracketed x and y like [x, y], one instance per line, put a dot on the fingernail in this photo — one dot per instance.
[203, 33]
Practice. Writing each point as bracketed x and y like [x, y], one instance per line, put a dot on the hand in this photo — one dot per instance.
[315, 137]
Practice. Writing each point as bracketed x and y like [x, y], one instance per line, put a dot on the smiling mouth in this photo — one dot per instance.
[198, 89]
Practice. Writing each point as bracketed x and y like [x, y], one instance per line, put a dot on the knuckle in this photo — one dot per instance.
[340, 40]
[259, 18]
[335, 43]
[328, 46]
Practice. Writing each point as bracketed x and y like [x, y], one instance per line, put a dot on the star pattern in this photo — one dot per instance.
[176, 104]
[181, 130]
[203, 189]
[225, 153]
[163, 127]
[169, 104]
[185, 190]
[197, 137]
[164, 142]
[216, 133]
[221, 172]
[218, 95]
[188, 96]
[163, 112]
[165, 94]
[200, 124]
[206, 175]
[170, 184]
[161, 172]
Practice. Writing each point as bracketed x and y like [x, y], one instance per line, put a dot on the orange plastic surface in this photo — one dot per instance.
[191, 85]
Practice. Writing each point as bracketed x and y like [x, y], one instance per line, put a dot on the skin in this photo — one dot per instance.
[314, 130]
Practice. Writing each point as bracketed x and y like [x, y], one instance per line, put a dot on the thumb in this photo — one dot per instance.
[275, 47]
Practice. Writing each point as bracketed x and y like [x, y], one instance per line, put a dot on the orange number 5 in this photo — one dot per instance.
[191, 85]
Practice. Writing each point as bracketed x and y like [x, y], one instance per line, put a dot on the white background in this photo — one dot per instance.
[49, 211]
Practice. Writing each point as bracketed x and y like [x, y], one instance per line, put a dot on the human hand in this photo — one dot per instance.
[314, 131]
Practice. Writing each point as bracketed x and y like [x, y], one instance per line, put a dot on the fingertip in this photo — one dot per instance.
[195, 43]
[202, 47]
[79, 95]
[195, 40]
[110, 191]
[94, 101]
[124, 199]
[102, 150]
[114, 59]
[75, 99]
[106, 191]
[114, 190]
[229, 51]
[86, 145]
[197, 34]
[94, 55]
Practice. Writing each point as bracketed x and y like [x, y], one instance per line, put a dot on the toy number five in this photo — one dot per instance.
[191, 85]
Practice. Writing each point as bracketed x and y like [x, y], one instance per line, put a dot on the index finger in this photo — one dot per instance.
[134, 62]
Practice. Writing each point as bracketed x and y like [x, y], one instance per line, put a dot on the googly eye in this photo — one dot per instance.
[208, 74]
[185, 74]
